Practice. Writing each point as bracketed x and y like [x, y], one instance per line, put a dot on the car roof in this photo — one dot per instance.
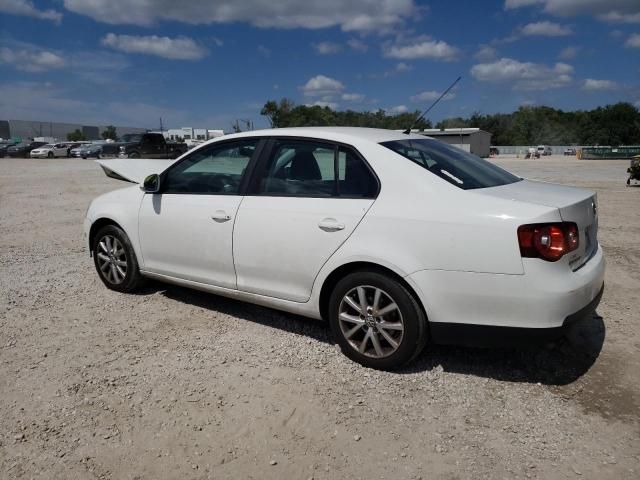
[338, 134]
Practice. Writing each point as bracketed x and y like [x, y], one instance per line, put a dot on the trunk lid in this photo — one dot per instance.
[575, 204]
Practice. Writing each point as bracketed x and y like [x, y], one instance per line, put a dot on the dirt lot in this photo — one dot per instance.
[172, 383]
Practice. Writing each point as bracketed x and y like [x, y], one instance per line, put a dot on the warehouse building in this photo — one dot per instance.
[471, 140]
[26, 129]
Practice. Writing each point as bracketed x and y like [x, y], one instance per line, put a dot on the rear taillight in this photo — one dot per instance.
[549, 241]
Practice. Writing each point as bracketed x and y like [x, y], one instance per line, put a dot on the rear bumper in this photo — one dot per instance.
[492, 336]
[543, 298]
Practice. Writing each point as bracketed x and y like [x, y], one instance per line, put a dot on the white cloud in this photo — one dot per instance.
[323, 104]
[181, 48]
[510, 4]
[354, 15]
[633, 41]
[592, 84]
[431, 95]
[403, 67]
[620, 11]
[524, 75]
[430, 49]
[545, 29]
[398, 109]
[31, 59]
[486, 54]
[27, 9]
[264, 51]
[353, 97]
[568, 53]
[357, 45]
[327, 48]
[322, 86]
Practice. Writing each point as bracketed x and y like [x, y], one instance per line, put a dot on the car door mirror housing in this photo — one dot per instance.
[151, 183]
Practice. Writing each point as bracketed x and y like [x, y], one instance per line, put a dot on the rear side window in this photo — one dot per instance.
[316, 169]
[462, 169]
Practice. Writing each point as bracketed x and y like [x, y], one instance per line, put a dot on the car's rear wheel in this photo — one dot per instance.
[115, 260]
[50, 154]
[376, 321]
[134, 155]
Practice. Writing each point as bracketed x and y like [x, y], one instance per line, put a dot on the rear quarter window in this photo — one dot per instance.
[452, 164]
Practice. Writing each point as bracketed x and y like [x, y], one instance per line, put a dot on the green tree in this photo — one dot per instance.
[76, 136]
[109, 133]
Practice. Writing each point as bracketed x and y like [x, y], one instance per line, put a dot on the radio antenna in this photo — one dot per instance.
[408, 130]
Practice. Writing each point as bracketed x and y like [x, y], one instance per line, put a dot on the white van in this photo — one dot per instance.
[544, 150]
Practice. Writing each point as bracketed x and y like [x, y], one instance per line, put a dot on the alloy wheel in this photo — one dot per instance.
[112, 259]
[371, 321]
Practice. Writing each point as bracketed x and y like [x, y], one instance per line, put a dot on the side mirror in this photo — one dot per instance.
[151, 184]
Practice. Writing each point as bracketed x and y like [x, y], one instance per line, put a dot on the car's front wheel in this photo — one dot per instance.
[376, 321]
[115, 260]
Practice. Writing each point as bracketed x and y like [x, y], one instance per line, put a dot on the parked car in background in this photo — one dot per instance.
[90, 150]
[23, 149]
[544, 150]
[4, 145]
[49, 150]
[144, 145]
[569, 152]
[532, 153]
[71, 145]
[368, 229]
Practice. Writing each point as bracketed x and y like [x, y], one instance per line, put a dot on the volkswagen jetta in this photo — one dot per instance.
[395, 239]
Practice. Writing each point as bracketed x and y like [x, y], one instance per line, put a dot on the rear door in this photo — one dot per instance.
[306, 199]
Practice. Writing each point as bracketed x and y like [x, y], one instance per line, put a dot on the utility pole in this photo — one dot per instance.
[161, 128]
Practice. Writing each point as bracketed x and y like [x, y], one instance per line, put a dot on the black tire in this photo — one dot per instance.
[114, 280]
[410, 342]
[50, 154]
[134, 155]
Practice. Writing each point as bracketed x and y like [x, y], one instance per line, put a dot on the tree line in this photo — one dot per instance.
[614, 125]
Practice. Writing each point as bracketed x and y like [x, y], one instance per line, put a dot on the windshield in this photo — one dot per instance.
[460, 168]
[132, 138]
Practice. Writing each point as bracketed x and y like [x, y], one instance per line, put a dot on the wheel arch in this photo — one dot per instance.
[96, 226]
[357, 266]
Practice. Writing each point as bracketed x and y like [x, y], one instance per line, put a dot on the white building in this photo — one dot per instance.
[189, 134]
[471, 140]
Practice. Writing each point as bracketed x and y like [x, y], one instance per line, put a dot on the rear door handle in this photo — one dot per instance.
[330, 225]
[220, 216]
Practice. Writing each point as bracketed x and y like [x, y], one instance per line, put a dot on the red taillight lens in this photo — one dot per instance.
[549, 241]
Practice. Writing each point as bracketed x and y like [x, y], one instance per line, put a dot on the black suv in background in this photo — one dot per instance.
[144, 145]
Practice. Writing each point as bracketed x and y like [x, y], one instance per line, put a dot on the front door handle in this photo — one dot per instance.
[220, 216]
[330, 225]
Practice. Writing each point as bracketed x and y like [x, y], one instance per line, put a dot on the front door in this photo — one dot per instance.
[186, 230]
[308, 198]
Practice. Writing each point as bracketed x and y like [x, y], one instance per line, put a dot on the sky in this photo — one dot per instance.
[206, 63]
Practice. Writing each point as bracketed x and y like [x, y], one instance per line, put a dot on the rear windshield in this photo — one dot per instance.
[452, 164]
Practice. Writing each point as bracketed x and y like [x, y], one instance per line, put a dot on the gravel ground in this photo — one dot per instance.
[172, 383]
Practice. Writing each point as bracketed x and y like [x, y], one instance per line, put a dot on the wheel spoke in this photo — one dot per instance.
[104, 266]
[353, 304]
[114, 273]
[345, 317]
[376, 343]
[103, 247]
[120, 271]
[362, 298]
[388, 309]
[363, 345]
[376, 299]
[102, 256]
[391, 326]
[389, 339]
[349, 333]
[107, 241]
[121, 263]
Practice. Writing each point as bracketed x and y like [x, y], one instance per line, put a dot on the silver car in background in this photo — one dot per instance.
[92, 150]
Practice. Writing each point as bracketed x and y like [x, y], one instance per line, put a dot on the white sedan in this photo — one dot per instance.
[396, 240]
[50, 150]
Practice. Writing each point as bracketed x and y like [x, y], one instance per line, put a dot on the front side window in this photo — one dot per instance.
[316, 169]
[216, 169]
[460, 168]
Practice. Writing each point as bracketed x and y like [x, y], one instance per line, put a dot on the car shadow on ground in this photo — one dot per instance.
[557, 363]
